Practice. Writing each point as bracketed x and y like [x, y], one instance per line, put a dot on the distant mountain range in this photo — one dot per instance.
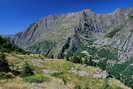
[57, 35]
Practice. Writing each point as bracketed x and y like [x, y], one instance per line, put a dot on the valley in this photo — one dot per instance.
[78, 50]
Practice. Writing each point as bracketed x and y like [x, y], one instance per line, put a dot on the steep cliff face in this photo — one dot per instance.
[56, 35]
[120, 35]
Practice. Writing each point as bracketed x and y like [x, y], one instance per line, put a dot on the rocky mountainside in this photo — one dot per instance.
[22, 70]
[57, 35]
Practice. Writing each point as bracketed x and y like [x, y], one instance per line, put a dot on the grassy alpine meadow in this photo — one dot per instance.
[41, 72]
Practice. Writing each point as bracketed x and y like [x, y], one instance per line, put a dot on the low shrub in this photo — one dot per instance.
[77, 87]
[64, 76]
[37, 78]
[4, 66]
[27, 70]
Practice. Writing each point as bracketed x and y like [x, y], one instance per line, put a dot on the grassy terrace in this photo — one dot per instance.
[58, 75]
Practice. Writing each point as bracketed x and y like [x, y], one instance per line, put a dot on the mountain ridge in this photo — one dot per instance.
[59, 28]
[106, 39]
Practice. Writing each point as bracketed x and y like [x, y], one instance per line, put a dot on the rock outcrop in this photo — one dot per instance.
[56, 35]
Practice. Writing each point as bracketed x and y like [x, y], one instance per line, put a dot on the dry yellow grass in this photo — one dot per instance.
[116, 83]
[16, 83]
[58, 81]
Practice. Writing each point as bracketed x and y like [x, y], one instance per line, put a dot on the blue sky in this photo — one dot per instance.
[17, 15]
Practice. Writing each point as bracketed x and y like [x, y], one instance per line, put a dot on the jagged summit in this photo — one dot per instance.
[56, 35]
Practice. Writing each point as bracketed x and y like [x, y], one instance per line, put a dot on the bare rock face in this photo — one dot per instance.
[56, 35]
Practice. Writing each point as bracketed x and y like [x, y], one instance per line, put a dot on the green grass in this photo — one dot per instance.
[65, 77]
[125, 69]
[85, 82]
[58, 65]
[7, 46]
[37, 78]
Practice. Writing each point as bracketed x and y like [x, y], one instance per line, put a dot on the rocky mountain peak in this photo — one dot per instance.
[55, 35]
[120, 10]
[87, 11]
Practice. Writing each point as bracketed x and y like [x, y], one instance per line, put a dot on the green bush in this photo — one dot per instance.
[131, 17]
[37, 78]
[4, 66]
[27, 70]
[77, 87]
[3, 75]
[64, 76]
[76, 59]
[7, 46]
[123, 72]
